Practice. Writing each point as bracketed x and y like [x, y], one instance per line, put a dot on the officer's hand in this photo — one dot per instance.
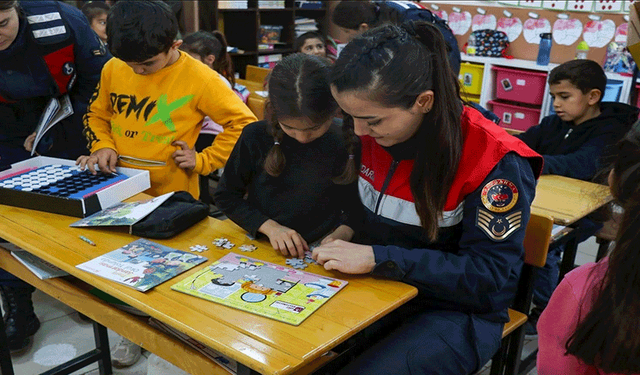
[345, 257]
[28, 143]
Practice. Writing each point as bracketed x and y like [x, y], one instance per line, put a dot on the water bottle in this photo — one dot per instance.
[544, 50]
[582, 50]
[471, 45]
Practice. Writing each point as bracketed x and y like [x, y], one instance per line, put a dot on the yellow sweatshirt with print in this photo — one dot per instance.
[139, 116]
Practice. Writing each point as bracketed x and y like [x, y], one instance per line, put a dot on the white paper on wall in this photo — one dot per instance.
[534, 27]
[460, 22]
[554, 4]
[510, 26]
[509, 3]
[608, 6]
[441, 13]
[531, 3]
[621, 34]
[580, 5]
[599, 33]
[483, 22]
[567, 31]
[627, 5]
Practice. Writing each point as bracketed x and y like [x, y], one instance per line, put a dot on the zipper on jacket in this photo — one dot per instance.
[385, 185]
[568, 132]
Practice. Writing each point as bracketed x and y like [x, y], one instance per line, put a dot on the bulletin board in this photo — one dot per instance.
[567, 32]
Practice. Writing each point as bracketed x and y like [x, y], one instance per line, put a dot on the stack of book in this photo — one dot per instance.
[308, 4]
[269, 61]
[304, 25]
[271, 4]
[232, 4]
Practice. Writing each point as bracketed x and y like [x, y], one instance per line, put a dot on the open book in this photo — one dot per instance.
[56, 110]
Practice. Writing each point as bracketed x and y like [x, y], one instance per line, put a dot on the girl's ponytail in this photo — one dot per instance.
[223, 63]
[275, 161]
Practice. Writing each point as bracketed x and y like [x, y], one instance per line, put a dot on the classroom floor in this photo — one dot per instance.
[63, 335]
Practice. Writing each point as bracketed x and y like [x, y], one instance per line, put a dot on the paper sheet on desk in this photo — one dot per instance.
[264, 94]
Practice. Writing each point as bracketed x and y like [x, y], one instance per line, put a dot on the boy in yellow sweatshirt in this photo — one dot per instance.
[149, 105]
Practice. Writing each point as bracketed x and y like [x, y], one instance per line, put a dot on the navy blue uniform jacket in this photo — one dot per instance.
[475, 263]
[27, 84]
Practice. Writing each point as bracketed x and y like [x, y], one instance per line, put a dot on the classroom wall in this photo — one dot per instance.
[566, 38]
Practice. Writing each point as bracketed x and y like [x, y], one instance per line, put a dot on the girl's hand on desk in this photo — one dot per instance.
[185, 158]
[343, 232]
[284, 239]
[346, 257]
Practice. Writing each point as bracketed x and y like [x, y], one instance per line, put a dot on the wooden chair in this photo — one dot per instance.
[536, 245]
[256, 106]
[256, 73]
[607, 234]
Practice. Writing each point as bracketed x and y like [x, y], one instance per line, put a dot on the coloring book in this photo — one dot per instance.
[271, 290]
[142, 264]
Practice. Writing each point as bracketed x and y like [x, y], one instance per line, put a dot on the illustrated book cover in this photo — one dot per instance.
[123, 214]
[142, 264]
[271, 290]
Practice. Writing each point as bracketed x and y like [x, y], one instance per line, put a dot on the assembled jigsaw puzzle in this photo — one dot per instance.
[61, 181]
[271, 290]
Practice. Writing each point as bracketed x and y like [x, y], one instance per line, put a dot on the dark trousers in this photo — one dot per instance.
[431, 342]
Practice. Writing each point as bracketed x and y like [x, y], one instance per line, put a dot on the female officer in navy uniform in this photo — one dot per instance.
[447, 196]
[47, 49]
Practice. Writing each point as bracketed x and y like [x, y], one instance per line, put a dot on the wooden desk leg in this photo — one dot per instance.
[569, 256]
[102, 344]
[6, 367]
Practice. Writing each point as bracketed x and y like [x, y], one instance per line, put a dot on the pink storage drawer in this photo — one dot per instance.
[638, 103]
[515, 116]
[523, 86]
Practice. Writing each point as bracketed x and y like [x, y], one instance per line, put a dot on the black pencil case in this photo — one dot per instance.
[175, 215]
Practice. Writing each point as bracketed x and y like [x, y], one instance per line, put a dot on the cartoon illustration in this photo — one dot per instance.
[266, 289]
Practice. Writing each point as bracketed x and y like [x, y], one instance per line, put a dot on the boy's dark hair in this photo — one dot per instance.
[392, 65]
[351, 14]
[608, 337]
[93, 9]
[586, 75]
[204, 43]
[297, 45]
[299, 88]
[138, 30]
[6, 5]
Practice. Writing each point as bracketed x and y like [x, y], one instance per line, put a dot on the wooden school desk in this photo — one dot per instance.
[567, 200]
[259, 344]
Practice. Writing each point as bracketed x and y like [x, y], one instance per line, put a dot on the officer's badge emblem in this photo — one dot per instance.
[68, 69]
[498, 227]
[499, 195]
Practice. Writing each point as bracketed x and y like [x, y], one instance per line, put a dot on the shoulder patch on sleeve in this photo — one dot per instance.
[499, 195]
[498, 227]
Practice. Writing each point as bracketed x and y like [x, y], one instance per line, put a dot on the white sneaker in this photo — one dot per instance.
[125, 354]
[158, 366]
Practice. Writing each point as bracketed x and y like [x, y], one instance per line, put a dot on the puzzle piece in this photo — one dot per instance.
[248, 247]
[295, 262]
[224, 243]
[308, 258]
[198, 248]
[300, 266]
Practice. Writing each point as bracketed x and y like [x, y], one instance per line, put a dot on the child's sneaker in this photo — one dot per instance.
[125, 354]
